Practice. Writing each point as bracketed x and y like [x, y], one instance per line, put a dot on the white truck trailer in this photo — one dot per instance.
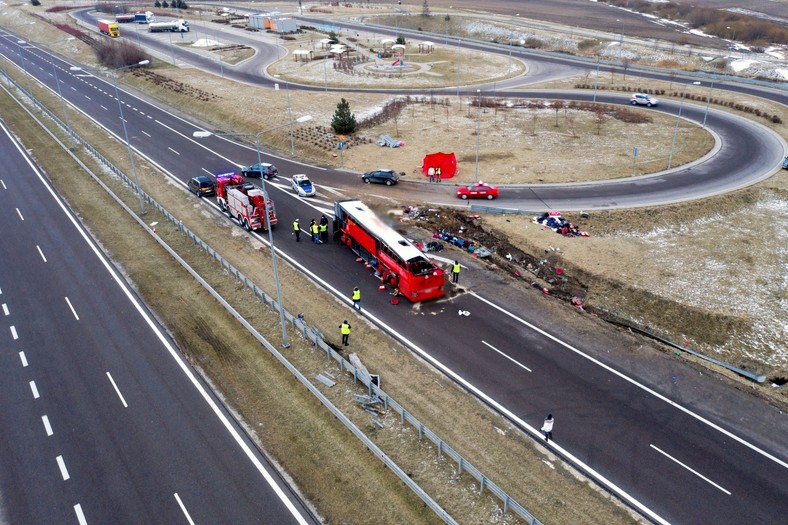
[172, 26]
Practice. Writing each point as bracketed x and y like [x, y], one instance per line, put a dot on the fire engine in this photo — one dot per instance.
[244, 201]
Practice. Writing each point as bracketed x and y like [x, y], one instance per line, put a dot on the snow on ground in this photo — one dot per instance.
[205, 42]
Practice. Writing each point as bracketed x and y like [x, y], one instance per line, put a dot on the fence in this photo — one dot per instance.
[309, 333]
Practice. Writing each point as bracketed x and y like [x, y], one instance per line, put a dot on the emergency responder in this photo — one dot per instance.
[344, 329]
[438, 174]
[323, 228]
[297, 230]
[455, 272]
[314, 229]
[356, 298]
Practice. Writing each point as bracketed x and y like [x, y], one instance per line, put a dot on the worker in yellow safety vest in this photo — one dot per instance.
[356, 298]
[297, 230]
[323, 228]
[344, 329]
[455, 272]
[314, 229]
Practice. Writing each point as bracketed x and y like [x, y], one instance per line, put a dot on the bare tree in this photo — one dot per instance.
[600, 117]
[625, 65]
[557, 106]
[425, 9]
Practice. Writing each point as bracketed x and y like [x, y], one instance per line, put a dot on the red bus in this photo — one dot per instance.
[395, 260]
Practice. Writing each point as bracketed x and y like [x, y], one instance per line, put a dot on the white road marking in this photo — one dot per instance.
[72, 309]
[20, 214]
[172, 150]
[41, 252]
[145, 133]
[704, 478]
[34, 389]
[87, 97]
[117, 390]
[72, 87]
[13, 332]
[3, 183]
[208, 172]
[80, 515]
[507, 357]
[63, 469]
[5, 309]
[102, 107]
[331, 190]
[47, 426]
[183, 508]
[23, 358]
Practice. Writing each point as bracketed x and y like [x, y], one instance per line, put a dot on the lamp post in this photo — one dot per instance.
[708, 101]
[203, 134]
[733, 39]
[621, 37]
[19, 43]
[289, 116]
[63, 101]
[123, 121]
[596, 81]
[676, 129]
[478, 116]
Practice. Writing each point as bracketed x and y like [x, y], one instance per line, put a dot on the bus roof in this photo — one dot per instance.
[361, 213]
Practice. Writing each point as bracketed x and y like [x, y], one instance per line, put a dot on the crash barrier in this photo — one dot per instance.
[500, 211]
[311, 334]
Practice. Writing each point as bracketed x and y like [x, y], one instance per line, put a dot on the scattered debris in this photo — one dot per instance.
[326, 381]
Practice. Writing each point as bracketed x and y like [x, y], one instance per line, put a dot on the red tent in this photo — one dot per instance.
[446, 161]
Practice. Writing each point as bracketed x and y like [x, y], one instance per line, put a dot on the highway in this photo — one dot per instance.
[102, 420]
[676, 457]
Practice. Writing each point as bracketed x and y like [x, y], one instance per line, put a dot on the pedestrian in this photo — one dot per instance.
[356, 298]
[547, 428]
[344, 329]
[297, 230]
[323, 228]
[455, 272]
[438, 174]
[431, 174]
[314, 229]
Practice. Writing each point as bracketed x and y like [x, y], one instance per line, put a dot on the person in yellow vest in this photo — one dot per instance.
[438, 174]
[323, 229]
[455, 272]
[297, 230]
[344, 329]
[356, 298]
[314, 229]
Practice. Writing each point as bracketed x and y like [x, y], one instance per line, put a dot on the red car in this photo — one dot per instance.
[478, 190]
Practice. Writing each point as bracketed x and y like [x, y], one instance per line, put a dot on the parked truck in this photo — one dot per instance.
[109, 28]
[144, 18]
[124, 19]
[173, 26]
[244, 201]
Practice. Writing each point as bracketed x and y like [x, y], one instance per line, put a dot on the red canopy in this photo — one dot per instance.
[446, 161]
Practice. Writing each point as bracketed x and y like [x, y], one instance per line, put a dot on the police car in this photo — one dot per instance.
[302, 186]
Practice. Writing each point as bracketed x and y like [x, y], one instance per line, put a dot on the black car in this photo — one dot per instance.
[264, 170]
[202, 186]
[387, 177]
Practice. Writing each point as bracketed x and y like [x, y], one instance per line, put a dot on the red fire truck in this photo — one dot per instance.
[395, 260]
[244, 201]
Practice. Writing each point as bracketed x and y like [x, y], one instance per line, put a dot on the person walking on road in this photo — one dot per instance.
[314, 229]
[297, 230]
[344, 329]
[431, 174]
[356, 298]
[455, 272]
[323, 229]
[547, 427]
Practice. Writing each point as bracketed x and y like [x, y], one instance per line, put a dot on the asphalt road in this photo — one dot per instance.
[102, 421]
[680, 458]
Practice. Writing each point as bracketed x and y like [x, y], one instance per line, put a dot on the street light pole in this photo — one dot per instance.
[596, 81]
[478, 116]
[65, 111]
[202, 134]
[125, 131]
[708, 101]
[289, 116]
[676, 129]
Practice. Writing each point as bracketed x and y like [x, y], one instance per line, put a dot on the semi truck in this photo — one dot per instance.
[244, 202]
[109, 28]
[144, 18]
[124, 19]
[173, 26]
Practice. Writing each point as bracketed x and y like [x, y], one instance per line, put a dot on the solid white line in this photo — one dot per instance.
[183, 508]
[5, 309]
[639, 385]
[507, 357]
[117, 390]
[23, 358]
[704, 478]
[63, 469]
[20, 214]
[172, 150]
[13, 332]
[145, 133]
[34, 389]
[72, 309]
[41, 252]
[80, 515]
[47, 426]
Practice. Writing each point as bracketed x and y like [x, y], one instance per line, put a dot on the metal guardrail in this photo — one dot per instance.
[311, 334]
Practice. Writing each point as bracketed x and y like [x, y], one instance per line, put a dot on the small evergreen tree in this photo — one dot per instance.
[157, 3]
[343, 122]
[165, 4]
[401, 40]
[35, 2]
